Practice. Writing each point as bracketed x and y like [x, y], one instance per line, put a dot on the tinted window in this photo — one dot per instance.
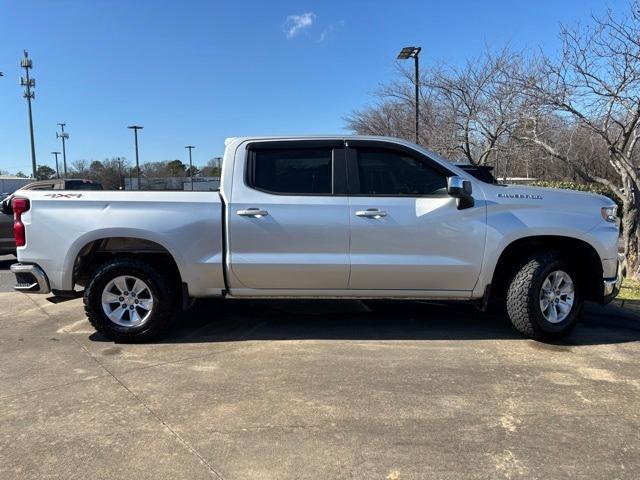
[389, 172]
[291, 171]
[80, 185]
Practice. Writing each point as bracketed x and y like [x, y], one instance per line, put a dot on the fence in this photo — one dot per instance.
[206, 184]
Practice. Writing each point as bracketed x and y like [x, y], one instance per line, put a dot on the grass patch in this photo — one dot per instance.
[629, 296]
[630, 290]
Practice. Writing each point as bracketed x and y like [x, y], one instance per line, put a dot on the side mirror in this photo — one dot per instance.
[460, 189]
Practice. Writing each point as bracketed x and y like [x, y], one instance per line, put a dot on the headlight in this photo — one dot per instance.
[609, 213]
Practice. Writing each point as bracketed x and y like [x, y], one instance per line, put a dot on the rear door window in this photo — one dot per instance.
[299, 171]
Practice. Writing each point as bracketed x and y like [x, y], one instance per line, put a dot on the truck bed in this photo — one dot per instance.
[186, 224]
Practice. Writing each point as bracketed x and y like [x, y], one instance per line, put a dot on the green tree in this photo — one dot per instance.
[176, 168]
[45, 172]
[21, 174]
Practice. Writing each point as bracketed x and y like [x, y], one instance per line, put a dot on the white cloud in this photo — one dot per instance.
[324, 35]
[294, 24]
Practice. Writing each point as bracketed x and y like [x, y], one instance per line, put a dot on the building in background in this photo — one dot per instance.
[9, 184]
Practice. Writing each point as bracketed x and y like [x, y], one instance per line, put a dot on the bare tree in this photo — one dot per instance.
[79, 168]
[481, 101]
[393, 115]
[387, 118]
[465, 113]
[594, 88]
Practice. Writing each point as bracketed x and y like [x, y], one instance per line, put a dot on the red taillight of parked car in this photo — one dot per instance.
[19, 206]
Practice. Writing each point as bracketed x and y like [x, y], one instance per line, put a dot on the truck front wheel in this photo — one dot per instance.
[128, 301]
[544, 299]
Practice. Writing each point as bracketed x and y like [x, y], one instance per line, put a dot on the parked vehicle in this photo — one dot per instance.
[329, 217]
[7, 242]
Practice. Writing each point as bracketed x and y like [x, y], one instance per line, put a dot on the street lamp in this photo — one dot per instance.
[135, 129]
[29, 83]
[190, 147]
[64, 136]
[412, 52]
[57, 169]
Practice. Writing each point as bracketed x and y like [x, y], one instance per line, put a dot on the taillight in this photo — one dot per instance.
[19, 205]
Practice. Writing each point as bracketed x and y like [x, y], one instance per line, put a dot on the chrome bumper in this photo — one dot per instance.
[30, 278]
[611, 286]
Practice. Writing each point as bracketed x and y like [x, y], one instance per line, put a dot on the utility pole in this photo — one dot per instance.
[135, 129]
[190, 147]
[29, 83]
[57, 169]
[63, 136]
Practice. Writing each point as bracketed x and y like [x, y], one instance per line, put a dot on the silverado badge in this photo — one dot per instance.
[520, 195]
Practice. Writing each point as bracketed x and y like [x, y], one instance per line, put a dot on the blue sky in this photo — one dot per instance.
[196, 72]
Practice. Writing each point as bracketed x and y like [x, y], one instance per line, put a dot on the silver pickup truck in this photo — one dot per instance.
[322, 217]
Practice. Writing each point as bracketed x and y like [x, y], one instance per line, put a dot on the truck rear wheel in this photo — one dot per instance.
[544, 300]
[128, 301]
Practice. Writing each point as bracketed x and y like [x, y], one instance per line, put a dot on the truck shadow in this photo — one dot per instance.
[231, 321]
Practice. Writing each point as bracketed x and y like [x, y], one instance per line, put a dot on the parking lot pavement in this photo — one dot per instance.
[6, 277]
[324, 390]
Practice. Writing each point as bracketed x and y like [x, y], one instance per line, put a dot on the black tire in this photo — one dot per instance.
[523, 297]
[160, 286]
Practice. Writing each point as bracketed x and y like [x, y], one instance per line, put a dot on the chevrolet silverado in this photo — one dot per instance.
[321, 217]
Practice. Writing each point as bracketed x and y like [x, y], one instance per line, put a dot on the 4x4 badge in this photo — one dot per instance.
[63, 195]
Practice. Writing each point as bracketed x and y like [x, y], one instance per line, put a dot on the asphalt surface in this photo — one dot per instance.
[7, 279]
[318, 390]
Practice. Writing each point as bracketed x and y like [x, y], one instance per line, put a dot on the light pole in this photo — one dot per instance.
[120, 175]
[413, 52]
[29, 83]
[64, 136]
[190, 147]
[57, 169]
[135, 129]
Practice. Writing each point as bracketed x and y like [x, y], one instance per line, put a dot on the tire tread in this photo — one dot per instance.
[522, 297]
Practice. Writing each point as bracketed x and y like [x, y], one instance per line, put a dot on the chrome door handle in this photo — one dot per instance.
[252, 212]
[371, 213]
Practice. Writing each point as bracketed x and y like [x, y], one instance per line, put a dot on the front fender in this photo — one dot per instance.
[507, 223]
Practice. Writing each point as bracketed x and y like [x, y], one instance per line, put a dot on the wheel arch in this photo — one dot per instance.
[583, 257]
[90, 252]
